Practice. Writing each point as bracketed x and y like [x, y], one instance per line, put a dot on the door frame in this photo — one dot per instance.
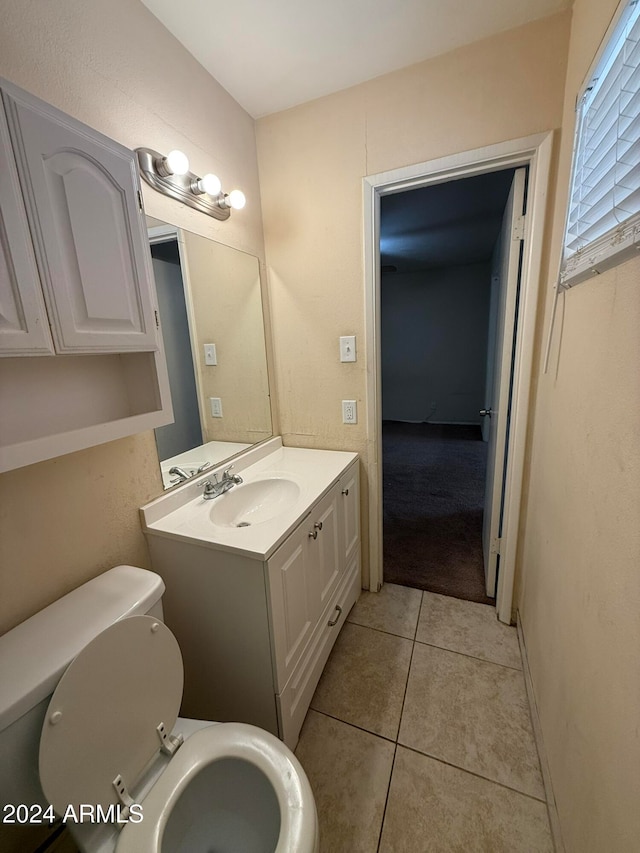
[534, 152]
[163, 234]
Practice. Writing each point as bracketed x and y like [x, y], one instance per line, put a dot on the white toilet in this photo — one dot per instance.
[108, 747]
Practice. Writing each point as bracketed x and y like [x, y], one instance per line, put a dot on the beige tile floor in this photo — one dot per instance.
[419, 736]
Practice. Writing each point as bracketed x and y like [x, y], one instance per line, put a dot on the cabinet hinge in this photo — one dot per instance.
[518, 228]
[495, 545]
[140, 202]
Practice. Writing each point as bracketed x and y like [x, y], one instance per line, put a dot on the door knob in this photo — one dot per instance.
[485, 412]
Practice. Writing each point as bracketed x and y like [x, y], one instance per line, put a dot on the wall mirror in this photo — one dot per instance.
[210, 305]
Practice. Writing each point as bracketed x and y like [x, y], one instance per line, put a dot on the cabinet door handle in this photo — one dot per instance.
[318, 525]
[334, 622]
[313, 535]
[345, 491]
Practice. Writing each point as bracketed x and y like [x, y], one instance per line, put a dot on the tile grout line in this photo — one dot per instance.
[386, 799]
[352, 725]
[379, 630]
[433, 645]
[395, 749]
[472, 773]
[467, 655]
[415, 633]
[406, 684]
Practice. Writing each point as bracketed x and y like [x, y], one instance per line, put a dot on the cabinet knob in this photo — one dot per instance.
[318, 525]
[313, 535]
[333, 622]
[345, 491]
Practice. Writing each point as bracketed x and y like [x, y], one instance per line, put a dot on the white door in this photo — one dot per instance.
[82, 198]
[497, 412]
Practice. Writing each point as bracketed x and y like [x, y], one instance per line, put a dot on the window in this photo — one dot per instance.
[603, 219]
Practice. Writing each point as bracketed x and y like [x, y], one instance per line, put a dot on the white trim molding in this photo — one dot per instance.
[534, 152]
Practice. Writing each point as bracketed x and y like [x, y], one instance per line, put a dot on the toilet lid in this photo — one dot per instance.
[103, 716]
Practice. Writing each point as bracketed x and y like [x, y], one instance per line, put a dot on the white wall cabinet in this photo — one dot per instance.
[255, 635]
[24, 327]
[75, 280]
[83, 207]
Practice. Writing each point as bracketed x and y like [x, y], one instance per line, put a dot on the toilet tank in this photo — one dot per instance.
[33, 657]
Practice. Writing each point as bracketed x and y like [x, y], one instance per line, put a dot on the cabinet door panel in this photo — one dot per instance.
[325, 548]
[293, 610]
[24, 327]
[83, 204]
[349, 501]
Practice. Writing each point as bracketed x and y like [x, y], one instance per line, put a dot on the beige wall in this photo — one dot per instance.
[579, 594]
[113, 66]
[312, 160]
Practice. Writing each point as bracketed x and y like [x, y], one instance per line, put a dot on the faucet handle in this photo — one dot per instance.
[228, 476]
[209, 489]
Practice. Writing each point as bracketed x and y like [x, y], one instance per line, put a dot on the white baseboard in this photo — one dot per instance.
[554, 821]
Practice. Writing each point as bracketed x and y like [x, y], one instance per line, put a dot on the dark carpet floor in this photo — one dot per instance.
[433, 491]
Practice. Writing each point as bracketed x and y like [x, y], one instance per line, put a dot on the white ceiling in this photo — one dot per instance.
[273, 54]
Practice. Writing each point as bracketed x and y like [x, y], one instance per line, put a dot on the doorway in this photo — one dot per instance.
[441, 261]
[185, 432]
[535, 153]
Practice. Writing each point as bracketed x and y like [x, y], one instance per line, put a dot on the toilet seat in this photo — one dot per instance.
[102, 719]
[298, 823]
[102, 723]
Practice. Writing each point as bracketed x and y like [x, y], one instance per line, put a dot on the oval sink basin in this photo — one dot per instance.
[254, 503]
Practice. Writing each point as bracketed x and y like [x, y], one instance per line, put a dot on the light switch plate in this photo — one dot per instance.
[210, 356]
[348, 348]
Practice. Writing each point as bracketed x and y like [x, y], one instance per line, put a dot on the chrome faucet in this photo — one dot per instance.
[219, 487]
[179, 472]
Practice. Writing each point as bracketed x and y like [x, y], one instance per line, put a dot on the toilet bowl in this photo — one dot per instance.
[126, 774]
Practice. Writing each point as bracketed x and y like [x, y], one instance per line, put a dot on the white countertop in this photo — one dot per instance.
[184, 514]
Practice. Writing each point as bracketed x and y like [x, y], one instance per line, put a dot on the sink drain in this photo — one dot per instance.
[243, 524]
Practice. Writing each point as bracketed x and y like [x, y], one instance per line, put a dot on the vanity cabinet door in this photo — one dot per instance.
[83, 203]
[24, 327]
[349, 505]
[293, 599]
[325, 564]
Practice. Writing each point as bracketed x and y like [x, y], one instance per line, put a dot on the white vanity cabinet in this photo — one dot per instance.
[333, 575]
[255, 634]
[75, 280]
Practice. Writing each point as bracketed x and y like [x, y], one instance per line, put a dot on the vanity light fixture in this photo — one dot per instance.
[170, 175]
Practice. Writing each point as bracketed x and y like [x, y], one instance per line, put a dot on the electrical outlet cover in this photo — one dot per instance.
[349, 412]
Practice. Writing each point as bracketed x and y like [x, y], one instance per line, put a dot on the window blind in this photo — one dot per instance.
[603, 220]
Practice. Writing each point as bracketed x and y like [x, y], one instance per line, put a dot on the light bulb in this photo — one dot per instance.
[177, 163]
[210, 184]
[236, 199]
